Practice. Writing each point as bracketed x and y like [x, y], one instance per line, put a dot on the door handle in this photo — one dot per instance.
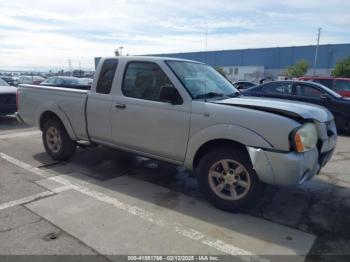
[120, 106]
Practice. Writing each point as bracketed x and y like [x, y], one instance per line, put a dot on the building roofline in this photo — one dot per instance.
[246, 49]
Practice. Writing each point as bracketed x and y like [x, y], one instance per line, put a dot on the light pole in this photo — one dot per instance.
[316, 52]
[121, 50]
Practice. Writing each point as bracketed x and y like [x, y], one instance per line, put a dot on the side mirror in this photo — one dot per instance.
[325, 97]
[239, 86]
[170, 94]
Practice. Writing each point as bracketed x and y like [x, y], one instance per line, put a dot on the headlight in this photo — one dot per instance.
[305, 138]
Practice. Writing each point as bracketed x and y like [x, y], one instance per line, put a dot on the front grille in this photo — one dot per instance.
[8, 99]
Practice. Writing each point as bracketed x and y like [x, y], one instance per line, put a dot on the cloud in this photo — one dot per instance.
[48, 33]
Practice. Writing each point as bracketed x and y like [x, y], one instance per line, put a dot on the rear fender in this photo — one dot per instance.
[54, 108]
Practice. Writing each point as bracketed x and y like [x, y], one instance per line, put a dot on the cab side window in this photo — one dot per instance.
[278, 88]
[107, 73]
[144, 80]
[308, 91]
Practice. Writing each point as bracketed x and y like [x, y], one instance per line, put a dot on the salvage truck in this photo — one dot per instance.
[184, 112]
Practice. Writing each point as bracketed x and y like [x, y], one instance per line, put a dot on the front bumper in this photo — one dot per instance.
[292, 168]
[287, 169]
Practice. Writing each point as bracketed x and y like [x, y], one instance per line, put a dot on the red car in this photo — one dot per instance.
[339, 85]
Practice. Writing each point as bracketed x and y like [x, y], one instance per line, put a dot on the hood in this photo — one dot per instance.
[292, 109]
[8, 90]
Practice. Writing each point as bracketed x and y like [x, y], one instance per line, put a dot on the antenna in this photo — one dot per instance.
[206, 60]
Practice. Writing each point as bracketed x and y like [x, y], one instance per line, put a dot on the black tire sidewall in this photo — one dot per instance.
[68, 146]
[256, 189]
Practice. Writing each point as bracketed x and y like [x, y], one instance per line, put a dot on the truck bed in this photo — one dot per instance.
[68, 102]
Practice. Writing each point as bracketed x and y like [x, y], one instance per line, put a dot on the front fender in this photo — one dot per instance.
[232, 132]
[54, 108]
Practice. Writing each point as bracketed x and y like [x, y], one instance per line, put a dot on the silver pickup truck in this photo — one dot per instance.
[184, 112]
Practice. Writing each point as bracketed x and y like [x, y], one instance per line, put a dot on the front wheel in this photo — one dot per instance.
[227, 179]
[56, 141]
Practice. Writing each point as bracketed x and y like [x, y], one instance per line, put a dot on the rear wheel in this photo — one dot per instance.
[56, 141]
[227, 179]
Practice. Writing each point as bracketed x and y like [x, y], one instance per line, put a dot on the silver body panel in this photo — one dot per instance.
[175, 133]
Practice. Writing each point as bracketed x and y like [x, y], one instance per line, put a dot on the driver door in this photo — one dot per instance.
[142, 122]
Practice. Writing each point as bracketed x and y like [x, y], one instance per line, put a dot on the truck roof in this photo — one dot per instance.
[150, 58]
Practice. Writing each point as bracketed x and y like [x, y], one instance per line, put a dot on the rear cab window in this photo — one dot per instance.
[107, 73]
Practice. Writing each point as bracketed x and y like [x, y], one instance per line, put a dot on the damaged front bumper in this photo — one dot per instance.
[287, 169]
[293, 168]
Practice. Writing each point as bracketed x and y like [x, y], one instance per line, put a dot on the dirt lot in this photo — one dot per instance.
[106, 203]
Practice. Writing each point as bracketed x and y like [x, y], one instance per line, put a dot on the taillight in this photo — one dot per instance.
[17, 100]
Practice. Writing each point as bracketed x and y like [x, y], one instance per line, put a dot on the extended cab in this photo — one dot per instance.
[184, 112]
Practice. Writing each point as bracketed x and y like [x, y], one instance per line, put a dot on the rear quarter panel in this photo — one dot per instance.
[68, 105]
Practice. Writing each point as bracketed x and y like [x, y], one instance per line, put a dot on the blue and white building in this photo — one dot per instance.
[251, 64]
[258, 63]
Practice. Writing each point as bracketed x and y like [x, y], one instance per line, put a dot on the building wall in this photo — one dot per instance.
[270, 58]
[275, 73]
[250, 73]
[273, 60]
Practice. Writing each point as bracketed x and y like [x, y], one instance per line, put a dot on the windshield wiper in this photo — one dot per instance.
[210, 95]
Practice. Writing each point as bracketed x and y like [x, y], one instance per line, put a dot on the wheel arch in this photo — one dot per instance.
[221, 135]
[50, 114]
[216, 143]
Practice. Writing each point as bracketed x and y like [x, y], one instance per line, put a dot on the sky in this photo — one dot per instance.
[43, 34]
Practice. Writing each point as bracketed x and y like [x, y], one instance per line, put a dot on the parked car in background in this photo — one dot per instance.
[87, 81]
[12, 81]
[309, 92]
[339, 85]
[67, 82]
[7, 98]
[31, 80]
[186, 113]
[241, 85]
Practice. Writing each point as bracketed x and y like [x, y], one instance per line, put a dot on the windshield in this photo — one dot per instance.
[3, 83]
[202, 81]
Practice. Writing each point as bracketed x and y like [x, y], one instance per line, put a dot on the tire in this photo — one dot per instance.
[56, 140]
[230, 169]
